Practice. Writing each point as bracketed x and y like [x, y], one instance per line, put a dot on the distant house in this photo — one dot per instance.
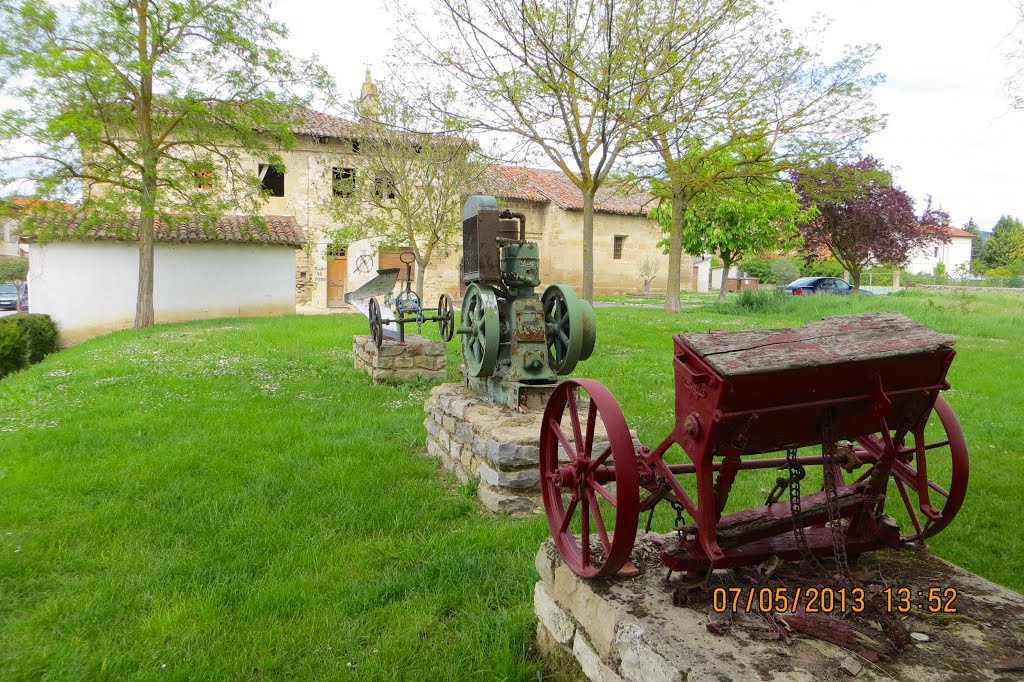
[953, 255]
[236, 267]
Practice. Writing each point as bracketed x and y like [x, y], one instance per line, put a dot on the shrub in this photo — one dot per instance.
[769, 301]
[757, 267]
[13, 349]
[40, 333]
[999, 272]
[785, 270]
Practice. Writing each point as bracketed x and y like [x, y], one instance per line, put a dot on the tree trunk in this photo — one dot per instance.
[147, 202]
[588, 245]
[855, 276]
[724, 287]
[675, 254]
[144, 300]
[421, 272]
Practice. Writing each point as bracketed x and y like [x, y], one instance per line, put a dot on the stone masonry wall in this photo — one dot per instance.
[477, 439]
[417, 358]
[635, 629]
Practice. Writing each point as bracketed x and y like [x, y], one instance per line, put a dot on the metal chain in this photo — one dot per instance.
[796, 513]
[831, 471]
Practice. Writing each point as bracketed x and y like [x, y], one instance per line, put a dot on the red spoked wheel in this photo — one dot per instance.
[930, 474]
[583, 421]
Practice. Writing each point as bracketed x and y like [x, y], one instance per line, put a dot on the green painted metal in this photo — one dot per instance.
[515, 343]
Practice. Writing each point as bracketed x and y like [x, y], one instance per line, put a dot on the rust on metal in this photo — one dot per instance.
[860, 389]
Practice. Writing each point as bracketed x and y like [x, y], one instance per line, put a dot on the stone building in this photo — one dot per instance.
[327, 151]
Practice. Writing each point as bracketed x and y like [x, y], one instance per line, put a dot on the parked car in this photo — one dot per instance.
[818, 285]
[9, 296]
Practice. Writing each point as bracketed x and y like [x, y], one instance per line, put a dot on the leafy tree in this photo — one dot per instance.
[571, 78]
[784, 270]
[752, 217]
[747, 99]
[407, 190]
[14, 269]
[1006, 243]
[863, 217]
[148, 108]
[977, 246]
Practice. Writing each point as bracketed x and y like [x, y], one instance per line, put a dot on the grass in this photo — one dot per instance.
[230, 499]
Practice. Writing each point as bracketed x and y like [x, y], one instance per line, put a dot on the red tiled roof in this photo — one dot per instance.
[18, 201]
[956, 232]
[320, 124]
[190, 228]
[542, 185]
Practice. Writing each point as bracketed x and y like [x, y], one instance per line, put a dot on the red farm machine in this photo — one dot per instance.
[862, 391]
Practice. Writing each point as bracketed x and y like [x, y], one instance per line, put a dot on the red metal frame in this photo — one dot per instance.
[724, 425]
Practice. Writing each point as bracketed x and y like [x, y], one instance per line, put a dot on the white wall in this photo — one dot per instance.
[89, 287]
[716, 275]
[954, 254]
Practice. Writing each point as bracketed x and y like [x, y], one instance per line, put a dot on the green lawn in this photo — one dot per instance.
[231, 500]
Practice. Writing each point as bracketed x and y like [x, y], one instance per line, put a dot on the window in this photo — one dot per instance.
[272, 179]
[355, 146]
[319, 139]
[343, 181]
[617, 247]
[936, 252]
[384, 186]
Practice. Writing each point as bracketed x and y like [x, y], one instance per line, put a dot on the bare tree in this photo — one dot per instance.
[571, 77]
[648, 271]
[413, 171]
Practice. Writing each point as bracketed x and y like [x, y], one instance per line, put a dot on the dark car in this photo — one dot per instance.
[9, 296]
[818, 285]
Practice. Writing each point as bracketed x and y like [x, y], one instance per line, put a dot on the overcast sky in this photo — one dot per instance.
[951, 132]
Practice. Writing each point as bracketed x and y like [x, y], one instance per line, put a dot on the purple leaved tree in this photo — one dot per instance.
[863, 217]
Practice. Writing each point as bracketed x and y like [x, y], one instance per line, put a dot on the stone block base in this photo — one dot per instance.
[478, 439]
[417, 358]
[630, 629]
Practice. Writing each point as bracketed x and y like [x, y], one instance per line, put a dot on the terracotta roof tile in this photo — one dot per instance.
[191, 228]
[320, 124]
[957, 232]
[543, 185]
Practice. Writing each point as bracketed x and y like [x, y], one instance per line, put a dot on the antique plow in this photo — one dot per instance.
[862, 390]
[401, 309]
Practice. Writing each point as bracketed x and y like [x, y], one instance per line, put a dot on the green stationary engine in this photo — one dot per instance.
[514, 343]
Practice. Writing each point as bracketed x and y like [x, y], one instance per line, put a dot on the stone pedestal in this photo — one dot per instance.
[476, 439]
[417, 358]
[630, 629]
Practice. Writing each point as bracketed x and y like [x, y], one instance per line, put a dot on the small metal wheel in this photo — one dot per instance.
[930, 474]
[479, 327]
[445, 317]
[570, 326]
[576, 420]
[376, 323]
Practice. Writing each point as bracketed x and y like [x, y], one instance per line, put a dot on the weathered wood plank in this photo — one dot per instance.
[833, 340]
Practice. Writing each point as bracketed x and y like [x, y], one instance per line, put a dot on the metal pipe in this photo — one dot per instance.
[522, 224]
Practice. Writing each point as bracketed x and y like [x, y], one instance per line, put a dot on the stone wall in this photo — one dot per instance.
[417, 358]
[635, 629]
[476, 439]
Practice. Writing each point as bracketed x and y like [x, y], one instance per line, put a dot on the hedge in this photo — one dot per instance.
[13, 349]
[40, 333]
[25, 338]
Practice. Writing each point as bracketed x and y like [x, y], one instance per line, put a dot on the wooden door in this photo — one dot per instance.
[337, 267]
